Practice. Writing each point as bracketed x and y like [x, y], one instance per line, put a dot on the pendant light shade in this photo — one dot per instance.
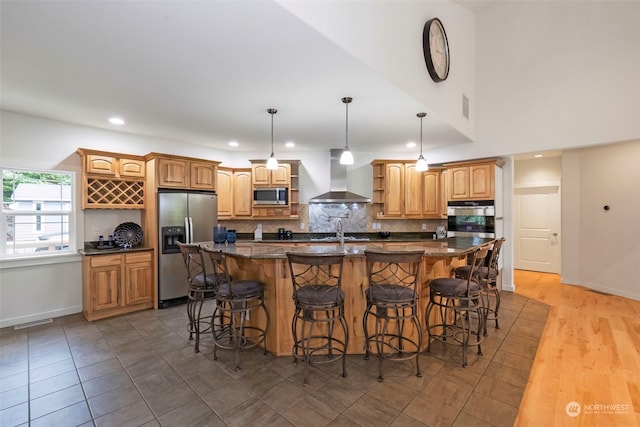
[346, 158]
[421, 164]
[272, 163]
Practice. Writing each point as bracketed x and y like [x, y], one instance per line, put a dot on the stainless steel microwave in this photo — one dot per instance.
[271, 196]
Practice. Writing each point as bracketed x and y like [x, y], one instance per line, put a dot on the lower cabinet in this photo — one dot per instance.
[114, 284]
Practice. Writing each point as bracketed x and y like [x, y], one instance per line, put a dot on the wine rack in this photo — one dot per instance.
[113, 194]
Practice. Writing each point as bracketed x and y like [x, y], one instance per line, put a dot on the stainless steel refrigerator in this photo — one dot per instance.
[187, 217]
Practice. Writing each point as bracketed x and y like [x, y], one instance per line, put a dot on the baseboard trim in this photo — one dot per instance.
[39, 316]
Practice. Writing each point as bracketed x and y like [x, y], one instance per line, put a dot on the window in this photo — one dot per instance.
[37, 213]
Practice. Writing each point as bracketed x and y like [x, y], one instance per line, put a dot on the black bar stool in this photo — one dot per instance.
[235, 301]
[392, 300]
[461, 309]
[200, 287]
[319, 307]
[487, 276]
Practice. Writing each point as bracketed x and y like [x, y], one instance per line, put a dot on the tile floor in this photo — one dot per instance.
[140, 370]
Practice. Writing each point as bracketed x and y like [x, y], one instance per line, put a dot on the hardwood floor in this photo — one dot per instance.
[589, 353]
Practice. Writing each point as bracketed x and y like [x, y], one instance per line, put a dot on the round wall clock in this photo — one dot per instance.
[436, 49]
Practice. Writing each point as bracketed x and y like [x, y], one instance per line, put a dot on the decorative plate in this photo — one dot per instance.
[128, 234]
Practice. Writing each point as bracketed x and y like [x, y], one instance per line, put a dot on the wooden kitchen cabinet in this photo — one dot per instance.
[225, 192]
[263, 177]
[399, 191]
[285, 176]
[117, 283]
[234, 193]
[242, 193]
[472, 180]
[112, 180]
[183, 172]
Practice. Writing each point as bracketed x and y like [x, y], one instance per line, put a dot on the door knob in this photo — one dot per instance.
[555, 234]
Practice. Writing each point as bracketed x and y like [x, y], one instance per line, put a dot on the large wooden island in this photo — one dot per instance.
[267, 261]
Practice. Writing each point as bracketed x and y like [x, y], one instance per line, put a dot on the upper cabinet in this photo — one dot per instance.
[112, 180]
[263, 177]
[183, 172]
[472, 180]
[399, 191]
[234, 193]
[285, 176]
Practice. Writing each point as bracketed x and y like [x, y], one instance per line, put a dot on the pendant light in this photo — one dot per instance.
[346, 158]
[272, 163]
[421, 164]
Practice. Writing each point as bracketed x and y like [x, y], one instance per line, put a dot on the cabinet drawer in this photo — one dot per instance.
[138, 257]
[103, 260]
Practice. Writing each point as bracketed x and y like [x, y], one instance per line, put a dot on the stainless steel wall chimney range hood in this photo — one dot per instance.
[338, 184]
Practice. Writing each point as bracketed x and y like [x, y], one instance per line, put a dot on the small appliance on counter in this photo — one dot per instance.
[257, 234]
[441, 232]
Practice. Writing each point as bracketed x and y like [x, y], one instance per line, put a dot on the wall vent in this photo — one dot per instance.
[465, 106]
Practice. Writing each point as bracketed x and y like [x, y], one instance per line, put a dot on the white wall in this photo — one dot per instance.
[387, 36]
[554, 74]
[601, 248]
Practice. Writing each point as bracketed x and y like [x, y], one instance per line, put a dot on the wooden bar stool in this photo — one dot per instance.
[319, 308]
[392, 300]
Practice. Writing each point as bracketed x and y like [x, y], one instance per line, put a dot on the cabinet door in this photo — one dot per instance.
[224, 189]
[101, 164]
[242, 193]
[105, 287]
[412, 190]
[459, 183]
[393, 189]
[260, 175]
[203, 175]
[431, 194]
[138, 280]
[173, 173]
[131, 167]
[281, 177]
[481, 181]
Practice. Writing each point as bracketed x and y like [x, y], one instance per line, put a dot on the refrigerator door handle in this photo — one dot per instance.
[187, 235]
[190, 230]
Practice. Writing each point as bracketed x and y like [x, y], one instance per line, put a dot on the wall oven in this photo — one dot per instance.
[271, 196]
[471, 219]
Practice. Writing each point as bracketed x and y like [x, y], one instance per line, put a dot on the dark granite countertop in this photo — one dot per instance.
[452, 247]
[90, 248]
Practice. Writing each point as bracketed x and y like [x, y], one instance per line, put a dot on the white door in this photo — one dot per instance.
[537, 229]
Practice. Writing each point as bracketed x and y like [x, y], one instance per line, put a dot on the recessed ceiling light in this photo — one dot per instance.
[233, 143]
[538, 156]
[116, 121]
[290, 144]
[411, 144]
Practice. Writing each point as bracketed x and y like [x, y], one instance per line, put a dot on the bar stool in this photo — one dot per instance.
[461, 310]
[236, 300]
[319, 307]
[487, 276]
[200, 288]
[392, 300]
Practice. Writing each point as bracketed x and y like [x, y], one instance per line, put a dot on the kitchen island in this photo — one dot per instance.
[268, 263]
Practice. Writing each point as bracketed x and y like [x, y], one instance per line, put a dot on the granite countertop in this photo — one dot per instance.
[453, 247]
[89, 250]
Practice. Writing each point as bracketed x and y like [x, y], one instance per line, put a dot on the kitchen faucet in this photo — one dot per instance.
[340, 232]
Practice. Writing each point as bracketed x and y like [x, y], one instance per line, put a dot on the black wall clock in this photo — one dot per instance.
[436, 49]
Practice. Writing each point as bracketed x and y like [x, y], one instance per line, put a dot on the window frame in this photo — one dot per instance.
[67, 209]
